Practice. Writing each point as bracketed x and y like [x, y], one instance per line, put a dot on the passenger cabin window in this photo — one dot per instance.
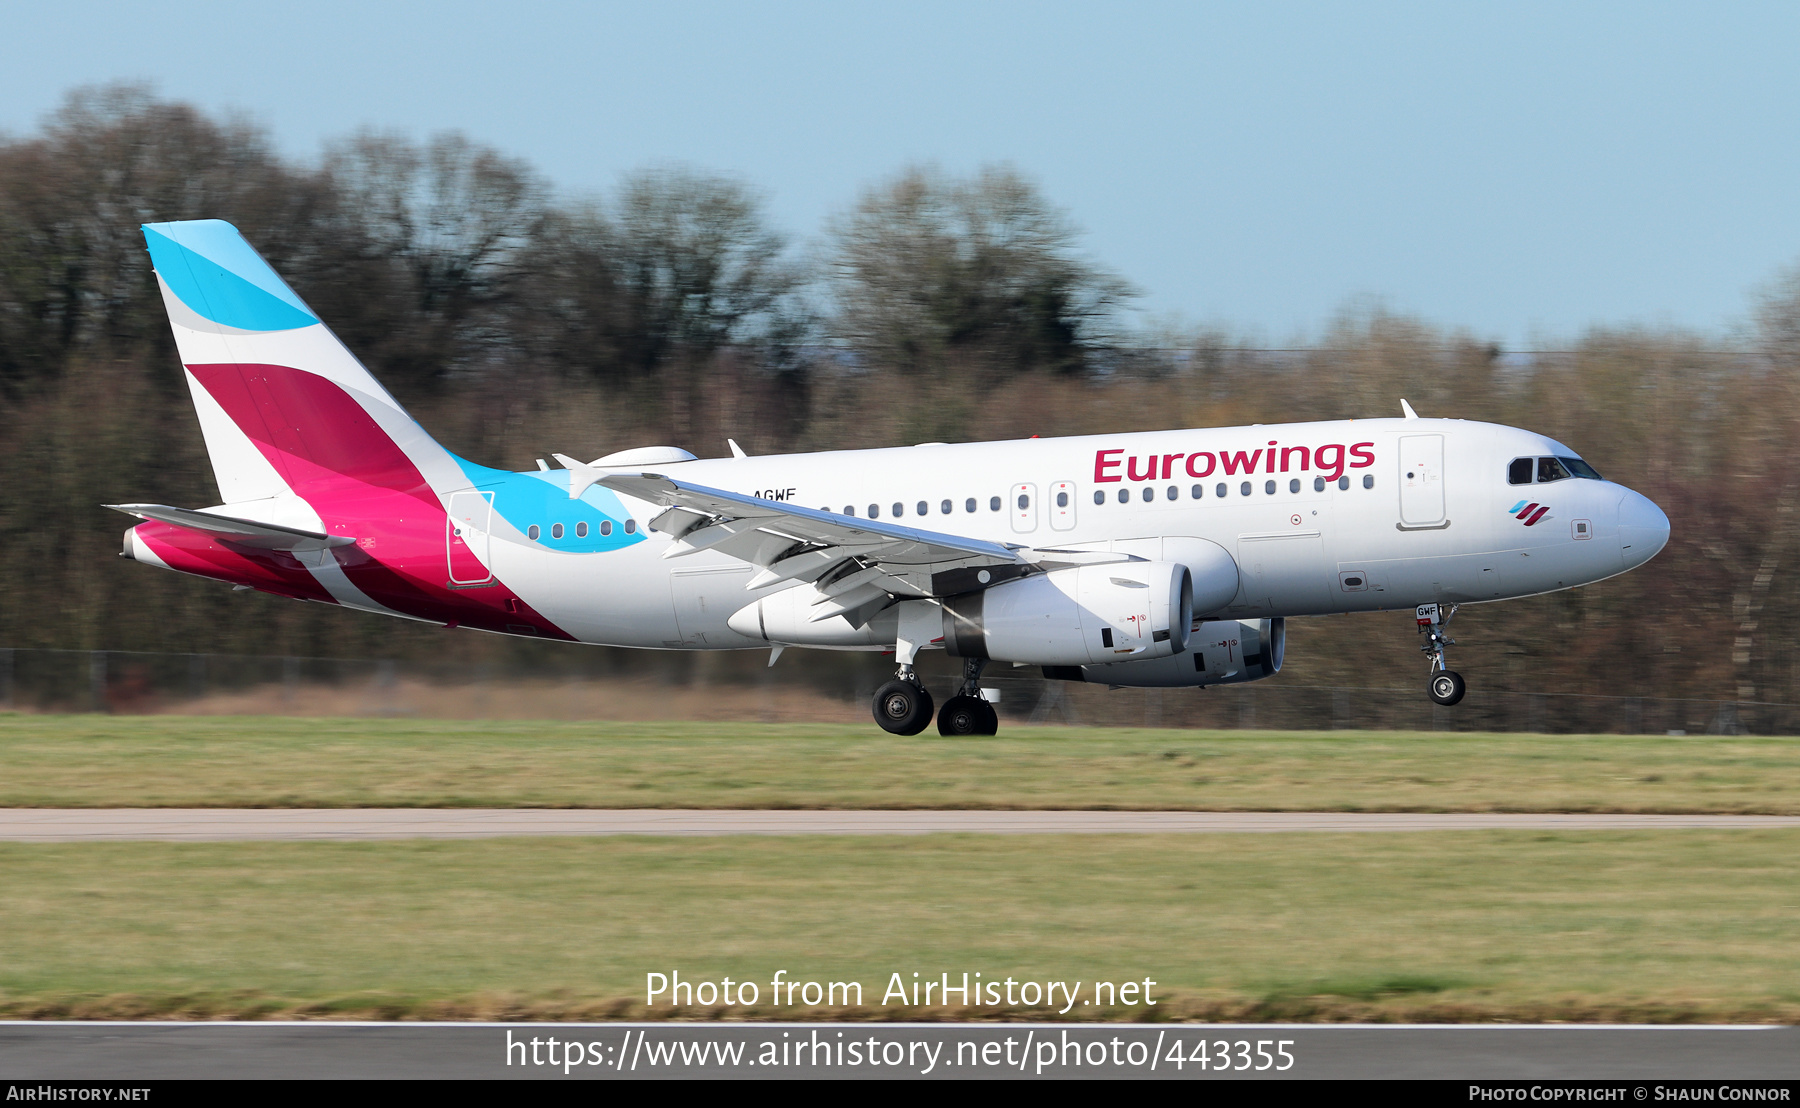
[849, 509]
[874, 511]
[899, 510]
[924, 508]
[606, 527]
[532, 532]
[581, 530]
[993, 504]
[1220, 491]
[1173, 493]
[1198, 491]
[631, 527]
[1343, 482]
[1062, 500]
[944, 507]
[1294, 485]
[556, 530]
[1124, 496]
[1368, 480]
[1149, 494]
[1099, 497]
[1245, 490]
[1318, 484]
[1024, 501]
[1519, 472]
[1549, 469]
[969, 504]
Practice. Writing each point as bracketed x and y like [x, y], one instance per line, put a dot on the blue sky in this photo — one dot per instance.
[1523, 171]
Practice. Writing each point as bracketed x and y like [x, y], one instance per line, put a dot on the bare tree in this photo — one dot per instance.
[680, 266]
[74, 275]
[436, 240]
[926, 267]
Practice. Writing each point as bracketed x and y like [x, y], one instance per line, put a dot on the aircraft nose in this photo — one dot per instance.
[1643, 529]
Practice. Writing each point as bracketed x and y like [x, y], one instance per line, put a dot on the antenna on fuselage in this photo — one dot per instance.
[1406, 410]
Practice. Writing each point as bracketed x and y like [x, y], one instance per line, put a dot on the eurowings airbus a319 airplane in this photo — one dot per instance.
[1159, 559]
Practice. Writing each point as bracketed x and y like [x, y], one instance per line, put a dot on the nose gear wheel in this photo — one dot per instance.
[1447, 687]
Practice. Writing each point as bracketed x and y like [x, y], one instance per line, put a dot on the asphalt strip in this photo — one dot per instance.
[51, 825]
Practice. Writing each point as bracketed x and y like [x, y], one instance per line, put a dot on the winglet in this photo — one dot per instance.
[1407, 411]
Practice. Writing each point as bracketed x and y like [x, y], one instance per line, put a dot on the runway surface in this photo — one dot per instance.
[50, 825]
[173, 1050]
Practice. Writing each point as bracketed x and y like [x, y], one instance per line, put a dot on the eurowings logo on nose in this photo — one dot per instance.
[1530, 513]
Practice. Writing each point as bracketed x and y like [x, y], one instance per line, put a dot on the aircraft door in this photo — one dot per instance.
[1421, 480]
[1024, 505]
[1062, 506]
[466, 537]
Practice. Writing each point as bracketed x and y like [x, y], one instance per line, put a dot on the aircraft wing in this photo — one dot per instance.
[244, 532]
[858, 566]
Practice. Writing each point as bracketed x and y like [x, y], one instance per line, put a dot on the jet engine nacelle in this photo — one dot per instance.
[1077, 616]
[1220, 652]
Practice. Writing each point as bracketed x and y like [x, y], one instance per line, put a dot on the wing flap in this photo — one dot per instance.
[809, 524]
[855, 567]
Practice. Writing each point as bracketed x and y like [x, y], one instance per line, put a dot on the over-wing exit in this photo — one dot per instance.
[1154, 559]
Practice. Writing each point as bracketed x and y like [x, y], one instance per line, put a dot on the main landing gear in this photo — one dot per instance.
[903, 706]
[1446, 687]
[967, 713]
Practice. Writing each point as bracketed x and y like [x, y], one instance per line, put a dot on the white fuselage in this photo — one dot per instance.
[1428, 516]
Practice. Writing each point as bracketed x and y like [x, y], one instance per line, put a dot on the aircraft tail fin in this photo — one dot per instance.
[285, 408]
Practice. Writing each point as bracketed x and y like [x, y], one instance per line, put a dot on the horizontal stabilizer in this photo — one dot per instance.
[244, 532]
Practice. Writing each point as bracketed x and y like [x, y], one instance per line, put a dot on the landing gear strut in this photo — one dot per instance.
[1445, 686]
[967, 713]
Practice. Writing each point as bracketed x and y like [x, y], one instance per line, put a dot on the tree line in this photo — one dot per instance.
[514, 321]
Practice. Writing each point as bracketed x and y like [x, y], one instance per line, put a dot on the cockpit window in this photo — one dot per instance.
[1581, 469]
[1521, 471]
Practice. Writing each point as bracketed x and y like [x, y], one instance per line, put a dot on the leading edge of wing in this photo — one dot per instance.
[671, 493]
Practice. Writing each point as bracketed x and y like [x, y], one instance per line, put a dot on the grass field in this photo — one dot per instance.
[1471, 925]
[161, 761]
[1687, 925]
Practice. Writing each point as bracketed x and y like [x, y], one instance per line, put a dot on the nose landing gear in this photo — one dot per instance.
[1446, 687]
